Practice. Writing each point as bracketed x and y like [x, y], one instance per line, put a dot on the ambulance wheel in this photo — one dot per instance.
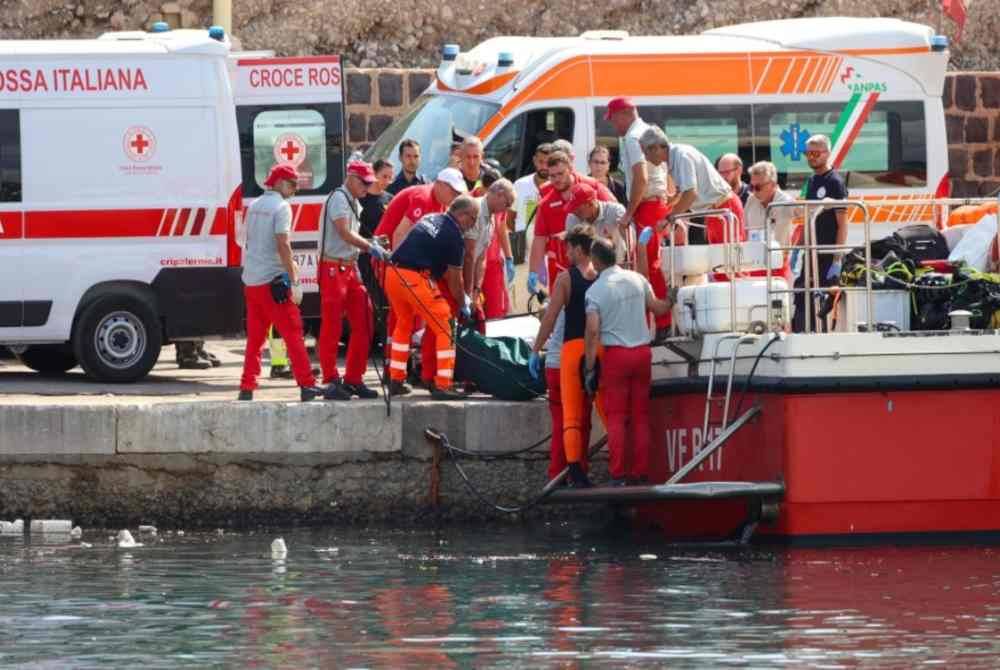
[117, 338]
[48, 359]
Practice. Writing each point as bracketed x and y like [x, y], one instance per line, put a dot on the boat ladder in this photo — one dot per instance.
[725, 400]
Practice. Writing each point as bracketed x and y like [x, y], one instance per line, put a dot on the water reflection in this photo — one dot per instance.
[504, 598]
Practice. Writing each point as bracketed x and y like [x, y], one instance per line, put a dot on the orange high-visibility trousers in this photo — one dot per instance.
[576, 404]
[413, 294]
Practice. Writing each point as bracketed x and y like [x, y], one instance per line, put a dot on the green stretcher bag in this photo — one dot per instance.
[498, 366]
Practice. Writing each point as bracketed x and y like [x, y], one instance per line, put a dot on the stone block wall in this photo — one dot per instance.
[376, 97]
[972, 118]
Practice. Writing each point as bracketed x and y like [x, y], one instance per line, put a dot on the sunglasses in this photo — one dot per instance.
[816, 153]
[760, 187]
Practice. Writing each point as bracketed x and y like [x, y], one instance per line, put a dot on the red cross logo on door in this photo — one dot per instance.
[290, 148]
[139, 144]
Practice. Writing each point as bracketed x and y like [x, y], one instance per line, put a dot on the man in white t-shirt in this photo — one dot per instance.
[526, 190]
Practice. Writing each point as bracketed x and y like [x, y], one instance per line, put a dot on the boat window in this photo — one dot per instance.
[890, 149]
[715, 130]
[435, 121]
[514, 146]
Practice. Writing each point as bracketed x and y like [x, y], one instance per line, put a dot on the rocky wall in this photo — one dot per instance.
[972, 117]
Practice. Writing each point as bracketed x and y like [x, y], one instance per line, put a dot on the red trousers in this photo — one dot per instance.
[262, 312]
[717, 227]
[625, 379]
[557, 454]
[342, 294]
[649, 214]
[496, 303]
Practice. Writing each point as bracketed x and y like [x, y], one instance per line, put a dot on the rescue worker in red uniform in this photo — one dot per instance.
[342, 293]
[271, 283]
[616, 306]
[568, 298]
[433, 250]
[407, 207]
[550, 221]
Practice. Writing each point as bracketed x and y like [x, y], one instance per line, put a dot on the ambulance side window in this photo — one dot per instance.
[10, 155]
[308, 137]
[514, 146]
[889, 150]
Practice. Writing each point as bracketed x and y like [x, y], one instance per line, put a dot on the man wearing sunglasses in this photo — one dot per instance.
[765, 191]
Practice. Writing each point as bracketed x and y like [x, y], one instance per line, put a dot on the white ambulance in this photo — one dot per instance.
[123, 165]
[758, 90]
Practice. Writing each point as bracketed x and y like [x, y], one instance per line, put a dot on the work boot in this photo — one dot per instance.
[193, 364]
[577, 477]
[211, 359]
[445, 394]
[245, 395]
[399, 388]
[616, 483]
[281, 372]
[336, 391]
[307, 393]
[362, 391]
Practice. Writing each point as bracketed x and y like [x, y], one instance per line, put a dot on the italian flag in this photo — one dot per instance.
[849, 126]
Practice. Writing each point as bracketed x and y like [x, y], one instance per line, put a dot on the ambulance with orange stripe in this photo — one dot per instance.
[758, 90]
[124, 161]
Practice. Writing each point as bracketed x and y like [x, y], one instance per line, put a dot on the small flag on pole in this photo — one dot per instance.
[957, 12]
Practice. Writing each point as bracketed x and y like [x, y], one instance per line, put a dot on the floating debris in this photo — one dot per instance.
[126, 541]
[648, 557]
[76, 533]
[43, 526]
[148, 529]
[278, 549]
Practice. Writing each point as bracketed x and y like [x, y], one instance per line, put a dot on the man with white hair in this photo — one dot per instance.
[764, 184]
[831, 224]
[471, 164]
[699, 185]
[730, 168]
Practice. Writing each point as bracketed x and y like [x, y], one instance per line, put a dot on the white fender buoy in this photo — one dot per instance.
[278, 549]
[126, 541]
[76, 533]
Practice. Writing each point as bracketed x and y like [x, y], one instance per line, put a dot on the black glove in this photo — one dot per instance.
[281, 286]
[591, 378]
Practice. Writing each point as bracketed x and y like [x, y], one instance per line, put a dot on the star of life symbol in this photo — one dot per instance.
[290, 148]
[793, 141]
[139, 144]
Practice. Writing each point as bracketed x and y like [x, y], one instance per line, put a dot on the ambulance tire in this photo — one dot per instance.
[48, 359]
[117, 338]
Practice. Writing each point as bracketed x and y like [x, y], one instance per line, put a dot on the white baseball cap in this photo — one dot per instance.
[453, 178]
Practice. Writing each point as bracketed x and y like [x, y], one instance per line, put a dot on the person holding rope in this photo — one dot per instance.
[616, 306]
[568, 300]
[434, 250]
[342, 293]
[550, 219]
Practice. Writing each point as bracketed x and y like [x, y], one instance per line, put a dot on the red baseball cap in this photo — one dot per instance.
[579, 194]
[617, 105]
[362, 171]
[281, 172]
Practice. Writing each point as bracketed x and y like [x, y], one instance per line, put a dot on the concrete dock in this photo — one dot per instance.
[177, 450]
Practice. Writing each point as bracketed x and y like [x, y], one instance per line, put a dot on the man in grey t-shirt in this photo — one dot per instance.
[342, 293]
[271, 280]
[616, 320]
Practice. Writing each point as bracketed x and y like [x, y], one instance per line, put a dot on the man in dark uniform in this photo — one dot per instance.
[409, 159]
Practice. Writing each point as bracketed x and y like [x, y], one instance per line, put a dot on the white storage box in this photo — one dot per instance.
[705, 308]
[688, 260]
[890, 307]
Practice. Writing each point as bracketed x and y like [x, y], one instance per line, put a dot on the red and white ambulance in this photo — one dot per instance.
[124, 161]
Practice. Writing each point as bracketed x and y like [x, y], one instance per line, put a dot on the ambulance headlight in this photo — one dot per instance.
[160, 27]
[217, 33]
[505, 59]
[450, 51]
[939, 43]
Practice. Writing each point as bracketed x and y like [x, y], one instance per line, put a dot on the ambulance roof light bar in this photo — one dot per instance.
[449, 52]
[505, 59]
[217, 33]
[939, 43]
[160, 27]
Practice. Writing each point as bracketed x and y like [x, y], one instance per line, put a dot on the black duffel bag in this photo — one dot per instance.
[922, 242]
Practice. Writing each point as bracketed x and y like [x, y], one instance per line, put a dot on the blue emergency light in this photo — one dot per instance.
[160, 27]
[217, 33]
[450, 51]
[939, 43]
[505, 59]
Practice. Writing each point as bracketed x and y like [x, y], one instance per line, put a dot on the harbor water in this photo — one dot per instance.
[546, 596]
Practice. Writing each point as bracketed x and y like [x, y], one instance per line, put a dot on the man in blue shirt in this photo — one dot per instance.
[425, 279]
[409, 159]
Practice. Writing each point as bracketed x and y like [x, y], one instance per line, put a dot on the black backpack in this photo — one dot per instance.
[922, 242]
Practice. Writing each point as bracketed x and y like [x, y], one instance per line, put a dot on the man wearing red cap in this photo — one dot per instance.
[584, 208]
[550, 220]
[271, 283]
[342, 293]
[646, 186]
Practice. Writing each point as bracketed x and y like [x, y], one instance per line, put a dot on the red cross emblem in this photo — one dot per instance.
[139, 144]
[290, 148]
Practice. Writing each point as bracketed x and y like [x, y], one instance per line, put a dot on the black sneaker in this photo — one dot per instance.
[362, 391]
[399, 388]
[212, 359]
[193, 364]
[445, 394]
[336, 391]
[245, 395]
[307, 393]
[616, 483]
[281, 372]
[577, 477]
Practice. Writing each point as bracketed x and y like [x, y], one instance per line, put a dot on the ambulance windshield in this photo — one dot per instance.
[432, 121]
